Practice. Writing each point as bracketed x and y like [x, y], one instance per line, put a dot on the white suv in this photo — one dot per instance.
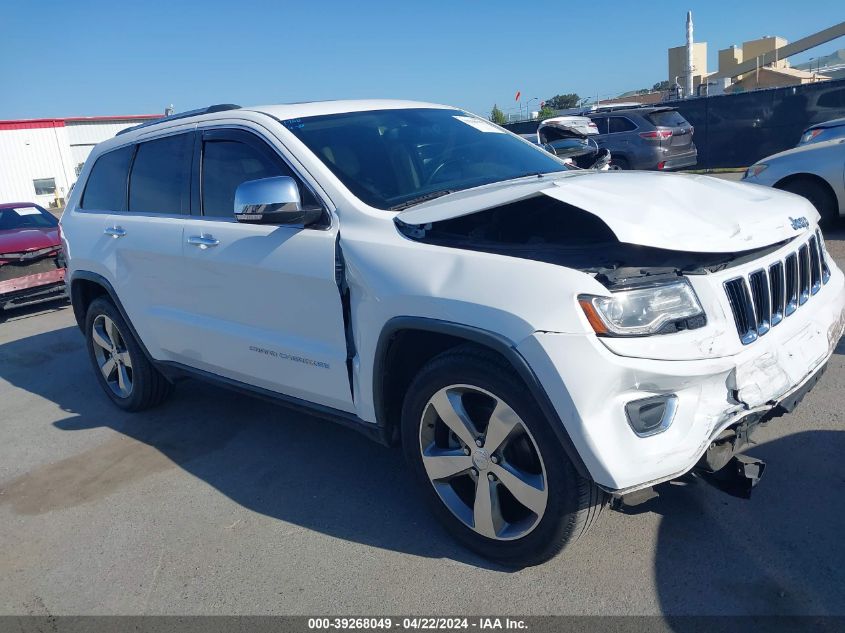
[539, 339]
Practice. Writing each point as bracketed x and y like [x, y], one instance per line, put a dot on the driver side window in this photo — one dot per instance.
[228, 163]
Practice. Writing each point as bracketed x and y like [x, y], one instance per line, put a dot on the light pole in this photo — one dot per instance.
[527, 111]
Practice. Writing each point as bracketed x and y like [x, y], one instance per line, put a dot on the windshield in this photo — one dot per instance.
[25, 218]
[392, 159]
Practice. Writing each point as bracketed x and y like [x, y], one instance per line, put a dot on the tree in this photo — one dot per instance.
[497, 116]
[661, 86]
[563, 102]
[545, 113]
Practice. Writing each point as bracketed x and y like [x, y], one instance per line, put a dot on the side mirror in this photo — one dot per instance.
[273, 201]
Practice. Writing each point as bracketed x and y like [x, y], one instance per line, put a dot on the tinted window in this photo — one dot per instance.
[621, 124]
[161, 176]
[667, 118]
[225, 165]
[26, 217]
[106, 186]
[391, 159]
[601, 124]
[832, 99]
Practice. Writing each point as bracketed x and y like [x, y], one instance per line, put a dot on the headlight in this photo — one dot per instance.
[755, 170]
[809, 135]
[657, 309]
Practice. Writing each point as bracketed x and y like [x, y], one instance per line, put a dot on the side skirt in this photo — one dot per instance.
[375, 432]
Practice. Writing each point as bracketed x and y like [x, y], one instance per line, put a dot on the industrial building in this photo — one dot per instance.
[40, 159]
[760, 63]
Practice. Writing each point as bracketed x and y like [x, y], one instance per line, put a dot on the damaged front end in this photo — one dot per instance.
[722, 385]
[31, 276]
[544, 229]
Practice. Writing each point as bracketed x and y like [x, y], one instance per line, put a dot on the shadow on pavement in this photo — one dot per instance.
[282, 464]
[779, 553]
[33, 309]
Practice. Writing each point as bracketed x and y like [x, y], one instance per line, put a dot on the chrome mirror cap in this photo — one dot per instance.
[273, 199]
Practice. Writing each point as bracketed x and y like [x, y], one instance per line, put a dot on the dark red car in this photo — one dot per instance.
[32, 265]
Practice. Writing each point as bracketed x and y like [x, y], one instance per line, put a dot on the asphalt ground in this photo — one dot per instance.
[216, 503]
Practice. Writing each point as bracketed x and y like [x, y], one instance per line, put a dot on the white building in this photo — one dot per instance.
[41, 158]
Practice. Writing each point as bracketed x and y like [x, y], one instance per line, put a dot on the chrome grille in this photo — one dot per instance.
[777, 286]
[803, 274]
[762, 299]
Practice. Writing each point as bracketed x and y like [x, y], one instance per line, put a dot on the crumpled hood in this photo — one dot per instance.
[680, 212]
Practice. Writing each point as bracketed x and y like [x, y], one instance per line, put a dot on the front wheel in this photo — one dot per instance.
[489, 464]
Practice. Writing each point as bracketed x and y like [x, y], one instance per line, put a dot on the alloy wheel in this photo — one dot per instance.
[113, 359]
[483, 462]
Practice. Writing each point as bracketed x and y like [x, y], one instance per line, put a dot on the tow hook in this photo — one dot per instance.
[738, 477]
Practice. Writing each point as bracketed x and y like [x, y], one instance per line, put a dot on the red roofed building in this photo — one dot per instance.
[41, 158]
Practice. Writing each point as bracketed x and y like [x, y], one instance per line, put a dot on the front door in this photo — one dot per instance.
[261, 303]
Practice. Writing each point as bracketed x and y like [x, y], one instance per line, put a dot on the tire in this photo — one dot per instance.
[133, 383]
[822, 199]
[619, 164]
[480, 381]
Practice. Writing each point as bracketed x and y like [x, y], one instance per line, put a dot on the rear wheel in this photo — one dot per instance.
[488, 462]
[818, 195]
[122, 369]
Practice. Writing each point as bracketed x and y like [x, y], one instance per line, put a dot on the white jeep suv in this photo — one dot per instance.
[538, 339]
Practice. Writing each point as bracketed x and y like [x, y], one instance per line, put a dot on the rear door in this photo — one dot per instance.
[147, 237]
[622, 133]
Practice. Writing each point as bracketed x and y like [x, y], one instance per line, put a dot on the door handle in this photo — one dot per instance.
[203, 241]
[115, 231]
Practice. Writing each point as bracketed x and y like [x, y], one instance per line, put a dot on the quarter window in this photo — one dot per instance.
[106, 186]
[161, 176]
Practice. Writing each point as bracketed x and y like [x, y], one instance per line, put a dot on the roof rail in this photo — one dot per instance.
[220, 107]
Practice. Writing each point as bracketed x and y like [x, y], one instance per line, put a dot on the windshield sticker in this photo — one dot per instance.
[293, 124]
[479, 124]
[27, 211]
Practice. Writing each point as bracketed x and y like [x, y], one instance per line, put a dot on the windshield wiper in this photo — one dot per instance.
[419, 199]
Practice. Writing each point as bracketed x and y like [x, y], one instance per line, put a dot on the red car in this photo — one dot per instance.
[32, 264]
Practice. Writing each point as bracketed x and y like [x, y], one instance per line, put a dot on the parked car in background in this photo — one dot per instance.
[827, 131]
[572, 139]
[563, 126]
[652, 138]
[31, 262]
[813, 170]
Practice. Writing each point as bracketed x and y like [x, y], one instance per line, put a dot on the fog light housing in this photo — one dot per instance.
[653, 415]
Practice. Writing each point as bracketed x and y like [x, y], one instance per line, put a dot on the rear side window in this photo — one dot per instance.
[106, 186]
[621, 124]
[667, 118]
[226, 164]
[161, 176]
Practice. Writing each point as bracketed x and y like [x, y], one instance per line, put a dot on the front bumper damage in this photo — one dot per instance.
[41, 286]
[719, 400]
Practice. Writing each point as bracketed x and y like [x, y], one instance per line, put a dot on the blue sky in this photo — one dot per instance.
[87, 58]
